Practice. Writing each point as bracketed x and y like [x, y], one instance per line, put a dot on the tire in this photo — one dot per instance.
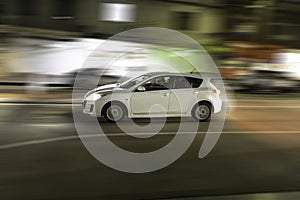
[202, 112]
[114, 112]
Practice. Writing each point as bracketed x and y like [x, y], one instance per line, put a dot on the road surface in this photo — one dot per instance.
[41, 156]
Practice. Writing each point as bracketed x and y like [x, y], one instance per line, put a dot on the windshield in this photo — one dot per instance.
[134, 81]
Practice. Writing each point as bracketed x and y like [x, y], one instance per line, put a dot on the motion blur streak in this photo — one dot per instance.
[255, 44]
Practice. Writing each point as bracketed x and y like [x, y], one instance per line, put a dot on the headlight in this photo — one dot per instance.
[93, 97]
[97, 96]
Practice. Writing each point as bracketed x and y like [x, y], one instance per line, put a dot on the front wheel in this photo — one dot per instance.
[201, 112]
[114, 112]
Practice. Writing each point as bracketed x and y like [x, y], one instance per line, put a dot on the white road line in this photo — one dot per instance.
[262, 100]
[64, 138]
[40, 104]
[277, 106]
[59, 125]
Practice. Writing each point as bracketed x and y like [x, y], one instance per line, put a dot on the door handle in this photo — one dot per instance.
[166, 94]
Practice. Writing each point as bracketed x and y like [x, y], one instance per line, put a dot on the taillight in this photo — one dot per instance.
[216, 91]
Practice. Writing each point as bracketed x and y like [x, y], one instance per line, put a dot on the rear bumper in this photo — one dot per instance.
[217, 103]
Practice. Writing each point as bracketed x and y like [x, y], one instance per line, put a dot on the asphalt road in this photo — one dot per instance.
[41, 156]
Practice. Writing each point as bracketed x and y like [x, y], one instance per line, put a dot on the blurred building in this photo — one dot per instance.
[208, 21]
[104, 18]
[264, 21]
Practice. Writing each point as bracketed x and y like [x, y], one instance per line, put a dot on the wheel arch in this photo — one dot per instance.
[204, 102]
[114, 102]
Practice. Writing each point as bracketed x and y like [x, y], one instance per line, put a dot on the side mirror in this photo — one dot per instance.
[141, 89]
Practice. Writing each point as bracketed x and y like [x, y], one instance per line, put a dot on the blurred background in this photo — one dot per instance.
[43, 44]
[253, 42]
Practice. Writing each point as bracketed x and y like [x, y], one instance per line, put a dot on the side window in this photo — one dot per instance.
[158, 83]
[195, 82]
[187, 82]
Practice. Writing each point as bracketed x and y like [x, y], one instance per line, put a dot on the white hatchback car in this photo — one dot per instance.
[155, 95]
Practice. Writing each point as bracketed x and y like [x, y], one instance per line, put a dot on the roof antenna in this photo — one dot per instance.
[193, 70]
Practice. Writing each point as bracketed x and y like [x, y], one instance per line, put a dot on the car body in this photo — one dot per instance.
[156, 94]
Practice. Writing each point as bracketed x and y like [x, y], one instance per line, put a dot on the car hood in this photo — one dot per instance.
[105, 89]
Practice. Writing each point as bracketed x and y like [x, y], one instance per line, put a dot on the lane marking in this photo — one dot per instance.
[58, 125]
[277, 106]
[65, 138]
[261, 100]
[40, 104]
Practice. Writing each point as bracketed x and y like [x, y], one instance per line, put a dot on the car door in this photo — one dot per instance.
[154, 100]
[183, 94]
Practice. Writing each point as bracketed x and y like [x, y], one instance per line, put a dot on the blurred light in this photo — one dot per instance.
[293, 58]
[290, 61]
[62, 17]
[255, 6]
[117, 12]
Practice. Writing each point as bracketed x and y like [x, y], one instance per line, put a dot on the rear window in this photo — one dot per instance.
[186, 82]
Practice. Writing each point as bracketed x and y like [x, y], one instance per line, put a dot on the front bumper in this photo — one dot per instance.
[89, 107]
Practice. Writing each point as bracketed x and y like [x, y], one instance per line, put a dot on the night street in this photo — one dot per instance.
[149, 100]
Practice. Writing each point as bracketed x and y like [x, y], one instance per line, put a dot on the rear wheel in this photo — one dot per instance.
[114, 112]
[201, 112]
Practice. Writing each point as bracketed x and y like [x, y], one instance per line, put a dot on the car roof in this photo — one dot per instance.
[195, 75]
